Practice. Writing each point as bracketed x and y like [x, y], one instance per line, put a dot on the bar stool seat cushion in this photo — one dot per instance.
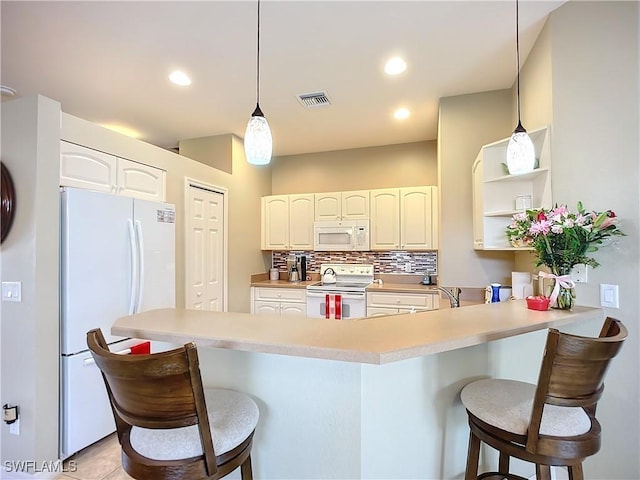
[232, 418]
[507, 404]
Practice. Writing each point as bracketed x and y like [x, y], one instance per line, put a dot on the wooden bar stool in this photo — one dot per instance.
[168, 425]
[552, 423]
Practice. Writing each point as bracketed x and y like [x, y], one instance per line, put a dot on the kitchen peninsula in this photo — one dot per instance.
[368, 398]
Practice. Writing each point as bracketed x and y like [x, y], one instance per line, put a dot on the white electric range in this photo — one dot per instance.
[344, 299]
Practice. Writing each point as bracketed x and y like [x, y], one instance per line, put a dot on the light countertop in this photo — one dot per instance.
[374, 340]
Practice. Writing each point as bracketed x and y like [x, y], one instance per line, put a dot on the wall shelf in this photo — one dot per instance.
[494, 193]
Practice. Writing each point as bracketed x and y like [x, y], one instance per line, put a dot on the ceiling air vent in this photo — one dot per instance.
[314, 100]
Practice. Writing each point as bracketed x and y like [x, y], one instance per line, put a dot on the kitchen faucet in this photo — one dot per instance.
[453, 293]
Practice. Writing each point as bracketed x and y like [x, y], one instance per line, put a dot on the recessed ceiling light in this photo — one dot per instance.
[180, 78]
[395, 66]
[401, 114]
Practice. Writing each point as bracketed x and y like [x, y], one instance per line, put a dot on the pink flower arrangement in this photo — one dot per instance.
[563, 239]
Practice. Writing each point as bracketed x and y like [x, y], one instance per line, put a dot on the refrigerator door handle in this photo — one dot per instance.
[134, 267]
[140, 265]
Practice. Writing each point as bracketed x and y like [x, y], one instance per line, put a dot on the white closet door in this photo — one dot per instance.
[205, 281]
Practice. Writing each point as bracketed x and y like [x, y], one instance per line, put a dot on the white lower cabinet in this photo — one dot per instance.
[278, 301]
[389, 303]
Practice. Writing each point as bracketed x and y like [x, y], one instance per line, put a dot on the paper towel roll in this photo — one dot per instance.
[521, 284]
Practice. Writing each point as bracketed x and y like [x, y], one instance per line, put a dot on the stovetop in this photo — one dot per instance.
[350, 277]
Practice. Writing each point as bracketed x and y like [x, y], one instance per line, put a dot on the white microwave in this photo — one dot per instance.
[341, 236]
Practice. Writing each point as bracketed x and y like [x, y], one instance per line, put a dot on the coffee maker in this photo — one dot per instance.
[297, 268]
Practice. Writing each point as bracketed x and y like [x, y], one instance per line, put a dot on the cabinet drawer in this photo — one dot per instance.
[399, 300]
[279, 294]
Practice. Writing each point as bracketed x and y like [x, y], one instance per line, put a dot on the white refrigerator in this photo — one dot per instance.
[117, 258]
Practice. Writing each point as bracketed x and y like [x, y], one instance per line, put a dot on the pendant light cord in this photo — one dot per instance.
[518, 60]
[258, 61]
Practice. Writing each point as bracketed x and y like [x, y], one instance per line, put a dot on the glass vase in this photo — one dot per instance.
[566, 296]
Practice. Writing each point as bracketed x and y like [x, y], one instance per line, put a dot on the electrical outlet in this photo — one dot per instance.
[407, 267]
[579, 273]
[14, 428]
[11, 291]
[609, 296]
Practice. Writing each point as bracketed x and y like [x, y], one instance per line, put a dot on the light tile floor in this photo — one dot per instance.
[100, 461]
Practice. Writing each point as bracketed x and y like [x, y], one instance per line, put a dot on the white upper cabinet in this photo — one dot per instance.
[498, 195]
[140, 181]
[84, 167]
[301, 215]
[385, 219]
[275, 222]
[404, 218]
[419, 218]
[400, 218]
[353, 205]
[287, 222]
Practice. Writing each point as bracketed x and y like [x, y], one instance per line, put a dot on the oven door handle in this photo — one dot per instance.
[348, 296]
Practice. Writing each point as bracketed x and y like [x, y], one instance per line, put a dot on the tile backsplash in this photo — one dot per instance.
[384, 262]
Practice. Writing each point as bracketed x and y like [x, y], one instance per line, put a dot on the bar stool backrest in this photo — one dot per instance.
[160, 390]
[572, 373]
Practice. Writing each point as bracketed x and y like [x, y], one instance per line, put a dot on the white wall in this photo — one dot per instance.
[466, 122]
[596, 159]
[29, 332]
[389, 166]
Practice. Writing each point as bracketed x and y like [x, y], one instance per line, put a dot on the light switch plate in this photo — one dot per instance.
[609, 296]
[11, 291]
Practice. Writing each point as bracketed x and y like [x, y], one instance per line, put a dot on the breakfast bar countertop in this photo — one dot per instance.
[373, 340]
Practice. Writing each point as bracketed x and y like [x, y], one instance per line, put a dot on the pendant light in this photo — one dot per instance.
[257, 138]
[521, 156]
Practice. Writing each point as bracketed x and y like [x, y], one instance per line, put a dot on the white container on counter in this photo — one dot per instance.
[274, 274]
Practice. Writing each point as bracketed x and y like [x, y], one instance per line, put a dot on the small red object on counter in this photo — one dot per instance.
[538, 303]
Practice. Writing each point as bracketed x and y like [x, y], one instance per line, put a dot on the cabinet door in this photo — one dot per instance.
[266, 308]
[385, 220]
[140, 181]
[86, 168]
[328, 206]
[301, 216]
[355, 205]
[417, 218]
[293, 309]
[276, 222]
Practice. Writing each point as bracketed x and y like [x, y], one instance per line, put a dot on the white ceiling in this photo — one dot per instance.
[108, 62]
